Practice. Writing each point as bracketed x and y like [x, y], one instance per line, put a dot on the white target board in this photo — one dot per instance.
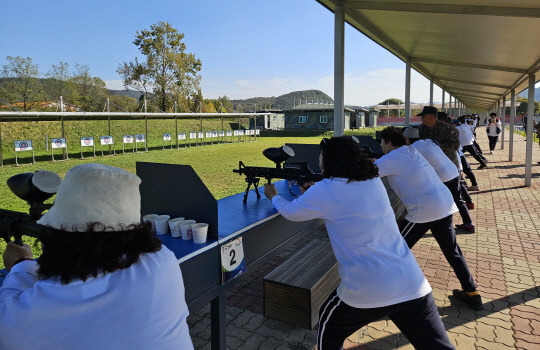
[182, 136]
[87, 141]
[229, 133]
[106, 140]
[140, 138]
[201, 135]
[23, 145]
[128, 138]
[221, 133]
[167, 137]
[59, 142]
[192, 135]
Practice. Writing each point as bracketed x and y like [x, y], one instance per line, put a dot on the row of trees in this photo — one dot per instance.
[167, 76]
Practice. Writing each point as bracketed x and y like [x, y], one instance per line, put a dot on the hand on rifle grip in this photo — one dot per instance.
[13, 252]
[304, 187]
[270, 191]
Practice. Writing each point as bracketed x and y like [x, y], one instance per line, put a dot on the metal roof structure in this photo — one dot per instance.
[476, 50]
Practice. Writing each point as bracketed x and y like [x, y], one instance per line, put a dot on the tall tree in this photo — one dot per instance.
[393, 112]
[58, 83]
[168, 70]
[22, 83]
[90, 93]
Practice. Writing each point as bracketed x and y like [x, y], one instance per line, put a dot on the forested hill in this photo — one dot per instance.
[282, 102]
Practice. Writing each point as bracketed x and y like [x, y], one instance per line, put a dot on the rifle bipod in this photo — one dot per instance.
[252, 181]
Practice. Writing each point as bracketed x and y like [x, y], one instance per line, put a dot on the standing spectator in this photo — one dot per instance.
[524, 123]
[493, 129]
[379, 274]
[103, 281]
[429, 205]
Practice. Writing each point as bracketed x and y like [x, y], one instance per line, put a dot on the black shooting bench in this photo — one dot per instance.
[295, 291]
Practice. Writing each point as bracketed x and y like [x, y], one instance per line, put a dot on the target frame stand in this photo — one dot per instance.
[139, 138]
[23, 146]
[182, 136]
[200, 136]
[229, 134]
[167, 137]
[88, 141]
[127, 139]
[104, 141]
[59, 143]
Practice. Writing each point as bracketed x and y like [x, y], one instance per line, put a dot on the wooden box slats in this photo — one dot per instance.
[295, 291]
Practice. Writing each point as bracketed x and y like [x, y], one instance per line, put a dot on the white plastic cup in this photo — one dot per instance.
[150, 218]
[174, 225]
[161, 224]
[200, 231]
[185, 229]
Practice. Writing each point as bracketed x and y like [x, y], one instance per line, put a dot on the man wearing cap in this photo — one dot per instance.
[429, 205]
[103, 280]
[446, 171]
[445, 134]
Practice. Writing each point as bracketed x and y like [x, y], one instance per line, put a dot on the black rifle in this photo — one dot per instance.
[293, 171]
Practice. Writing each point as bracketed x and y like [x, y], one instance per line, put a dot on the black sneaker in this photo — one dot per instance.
[474, 302]
[483, 166]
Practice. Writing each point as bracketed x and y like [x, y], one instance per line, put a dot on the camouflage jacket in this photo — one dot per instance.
[446, 136]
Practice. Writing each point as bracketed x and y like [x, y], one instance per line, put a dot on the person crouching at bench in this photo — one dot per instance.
[379, 275]
[103, 280]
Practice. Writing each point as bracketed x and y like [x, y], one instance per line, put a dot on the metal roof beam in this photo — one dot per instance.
[473, 83]
[461, 93]
[473, 98]
[478, 92]
[443, 8]
[469, 65]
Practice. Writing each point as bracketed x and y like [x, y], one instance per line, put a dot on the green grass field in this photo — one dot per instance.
[213, 164]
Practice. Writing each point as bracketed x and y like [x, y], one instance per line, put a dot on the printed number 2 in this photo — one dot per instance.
[232, 254]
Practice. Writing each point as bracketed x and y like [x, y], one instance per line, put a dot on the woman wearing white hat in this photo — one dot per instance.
[103, 280]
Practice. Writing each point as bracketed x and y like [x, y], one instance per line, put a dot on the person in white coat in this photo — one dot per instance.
[103, 281]
[493, 129]
[379, 275]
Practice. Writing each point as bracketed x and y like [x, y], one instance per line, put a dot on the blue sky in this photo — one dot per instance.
[248, 48]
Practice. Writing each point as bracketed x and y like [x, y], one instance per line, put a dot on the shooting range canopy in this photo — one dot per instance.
[478, 51]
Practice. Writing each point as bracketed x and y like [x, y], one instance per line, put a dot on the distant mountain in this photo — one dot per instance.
[525, 94]
[282, 102]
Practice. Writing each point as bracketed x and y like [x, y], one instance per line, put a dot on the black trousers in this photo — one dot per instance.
[477, 146]
[454, 186]
[464, 192]
[474, 152]
[444, 234]
[417, 319]
[492, 142]
[468, 171]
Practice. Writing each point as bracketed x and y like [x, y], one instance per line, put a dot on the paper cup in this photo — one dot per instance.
[174, 225]
[162, 226]
[150, 218]
[185, 229]
[200, 231]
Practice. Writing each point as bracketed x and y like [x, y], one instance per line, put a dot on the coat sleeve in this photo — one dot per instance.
[310, 205]
[21, 277]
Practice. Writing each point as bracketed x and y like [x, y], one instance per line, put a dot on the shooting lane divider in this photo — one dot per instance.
[60, 143]
[139, 138]
[127, 139]
[107, 140]
[87, 141]
[22, 146]
[167, 137]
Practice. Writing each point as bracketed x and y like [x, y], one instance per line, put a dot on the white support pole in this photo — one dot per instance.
[503, 121]
[431, 92]
[459, 109]
[339, 71]
[449, 112]
[408, 92]
[442, 106]
[512, 117]
[530, 118]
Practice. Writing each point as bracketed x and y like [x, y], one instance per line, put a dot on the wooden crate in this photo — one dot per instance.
[295, 291]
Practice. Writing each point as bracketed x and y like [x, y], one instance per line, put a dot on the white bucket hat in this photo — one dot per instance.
[412, 133]
[95, 193]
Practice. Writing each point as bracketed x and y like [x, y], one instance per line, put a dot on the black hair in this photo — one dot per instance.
[393, 135]
[341, 157]
[492, 113]
[80, 255]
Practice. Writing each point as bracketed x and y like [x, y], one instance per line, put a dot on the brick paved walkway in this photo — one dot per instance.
[503, 255]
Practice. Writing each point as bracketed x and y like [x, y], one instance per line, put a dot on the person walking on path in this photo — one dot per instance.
[493, 129]
[379, 274]
[429, 204]
[446, 171]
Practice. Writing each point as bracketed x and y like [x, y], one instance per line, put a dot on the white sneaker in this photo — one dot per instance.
[490, 152]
